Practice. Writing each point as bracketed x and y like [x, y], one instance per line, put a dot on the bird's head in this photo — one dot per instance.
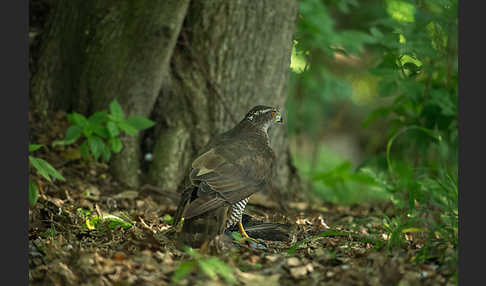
[264, 116]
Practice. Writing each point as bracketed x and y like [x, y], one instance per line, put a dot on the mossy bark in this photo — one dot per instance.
[95, 51]
[196, 67]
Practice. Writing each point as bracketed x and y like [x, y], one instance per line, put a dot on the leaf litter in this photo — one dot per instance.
[90, 230]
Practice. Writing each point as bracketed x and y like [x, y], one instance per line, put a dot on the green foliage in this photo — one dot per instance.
[101, 131]
[237, 236]
[33, 193]
[414, 74]
[335, 180]
[212, 267]
[341, 174]
[51, 232]
[108, 221]
[167, 218]
[317, 86]
[44, 169]
[419, 71]
[429, 132]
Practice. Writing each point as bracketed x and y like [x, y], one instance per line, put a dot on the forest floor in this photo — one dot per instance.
[90, 230]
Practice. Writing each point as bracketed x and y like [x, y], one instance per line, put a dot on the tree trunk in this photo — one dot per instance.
[95, 51]
[195, 67]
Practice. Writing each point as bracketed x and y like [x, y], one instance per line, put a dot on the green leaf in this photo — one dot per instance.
[115, 144]
[96, 146]
[387, 88]
[77, 119]
[127, 127]
[167, 218]
[115, 222]
[33, 193]
[112, 129]
[140, 122]
[50, 170]
[236, 236]
[45, 169]
[58, 143]
[84, 149]
[73, 133]
[429, 132]
[51, 232]
[92, 223]
[362, 178]
[222, 269]
[106, 153]
[100, 131]
[34, 147]
[207, 268]
[116, 110]
[87, 130]
[39, 167]
[375, 114]
[193, 253]
[98, 118]
[183, 270]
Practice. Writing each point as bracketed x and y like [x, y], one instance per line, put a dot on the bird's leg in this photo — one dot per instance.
[244, 234]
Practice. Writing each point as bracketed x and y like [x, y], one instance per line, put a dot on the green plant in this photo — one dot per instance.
[44, 169]
[111, 221]
[102, 130]
[318, 39]
[418, 72]
[210, 266]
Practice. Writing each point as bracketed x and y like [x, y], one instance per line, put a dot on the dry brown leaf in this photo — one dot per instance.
[293, 261]
[129, 194]
[298, 272]
[255, 279]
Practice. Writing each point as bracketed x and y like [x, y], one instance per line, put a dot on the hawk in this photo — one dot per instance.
[232, 167]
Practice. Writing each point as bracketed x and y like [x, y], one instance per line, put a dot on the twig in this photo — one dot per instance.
[145, 225]
[98, 210]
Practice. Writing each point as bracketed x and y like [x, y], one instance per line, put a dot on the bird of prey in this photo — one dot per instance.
[232, 167]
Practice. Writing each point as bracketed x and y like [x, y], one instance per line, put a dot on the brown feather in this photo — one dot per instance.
[204, 204]
[232, 167]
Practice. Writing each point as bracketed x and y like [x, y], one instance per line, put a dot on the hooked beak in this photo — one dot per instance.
[278, 117]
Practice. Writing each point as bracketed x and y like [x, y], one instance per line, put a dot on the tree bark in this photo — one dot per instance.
[231, 55]
[194, 67]
[95, 51]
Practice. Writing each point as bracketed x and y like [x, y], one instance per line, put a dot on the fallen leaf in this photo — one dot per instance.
[298, 272]
[293, 261]
[254, 259]
[119, 256]
[255, 279]
[272, 258]
[301, 206]
[126, 195]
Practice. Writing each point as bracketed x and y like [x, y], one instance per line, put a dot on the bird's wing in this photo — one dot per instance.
[224, 182]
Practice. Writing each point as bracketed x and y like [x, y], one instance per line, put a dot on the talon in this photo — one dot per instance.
[245, 235]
